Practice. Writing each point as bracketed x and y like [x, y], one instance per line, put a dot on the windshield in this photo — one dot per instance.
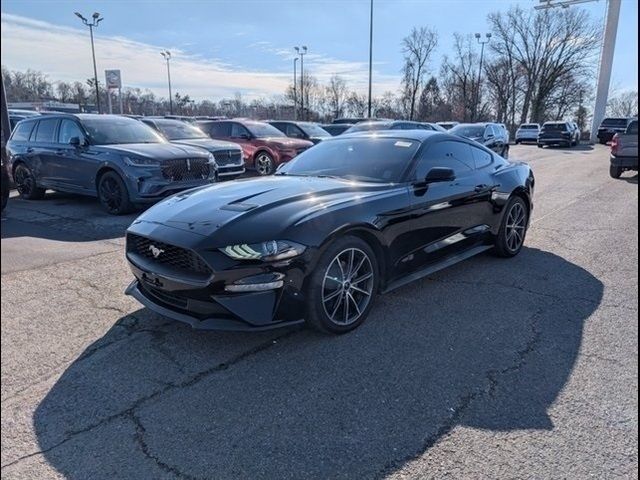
[529, 127]
[109, 131]
[468, 131]
[614, 122]
[180, 130]
[369, 126]
[313, 130]
[263, 130]
[380, 160]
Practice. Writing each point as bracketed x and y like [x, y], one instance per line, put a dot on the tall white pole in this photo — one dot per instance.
[606, 61]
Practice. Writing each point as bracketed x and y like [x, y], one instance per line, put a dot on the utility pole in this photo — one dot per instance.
[477, 102]
[606, 55]
[370, 55]
[295, 90]
[96, 20]
[167, 56]
[302, 51]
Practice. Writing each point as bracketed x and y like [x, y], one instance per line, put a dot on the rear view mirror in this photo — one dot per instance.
[440, 174]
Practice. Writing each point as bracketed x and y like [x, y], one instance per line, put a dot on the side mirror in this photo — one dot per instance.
[440, 174]
[76, 141]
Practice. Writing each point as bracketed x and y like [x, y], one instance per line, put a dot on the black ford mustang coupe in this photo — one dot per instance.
[344, 221]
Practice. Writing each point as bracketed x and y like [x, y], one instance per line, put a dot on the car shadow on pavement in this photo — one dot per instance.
[487, 344]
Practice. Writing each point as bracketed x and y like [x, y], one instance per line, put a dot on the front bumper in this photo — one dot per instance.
[231, 171]
[624, 162]
[554, 141]
[148, 185]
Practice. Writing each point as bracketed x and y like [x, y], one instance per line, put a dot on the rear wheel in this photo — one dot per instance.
[513, 229]
[113, 194]
[343, 286]
[540, 145]
[505, 152]
[264, 164]
[26, 183]
[615, 172]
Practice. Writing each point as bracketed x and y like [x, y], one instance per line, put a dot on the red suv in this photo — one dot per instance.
[264, 146]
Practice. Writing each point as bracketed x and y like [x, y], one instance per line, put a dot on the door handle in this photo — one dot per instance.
[30, 150]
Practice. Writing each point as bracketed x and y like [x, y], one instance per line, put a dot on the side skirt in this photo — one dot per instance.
[449, 261]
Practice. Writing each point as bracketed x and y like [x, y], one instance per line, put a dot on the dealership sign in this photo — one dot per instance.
[114, 80]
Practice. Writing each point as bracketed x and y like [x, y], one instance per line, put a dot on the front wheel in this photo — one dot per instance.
[26, 183]
[264, 164]
[343, 286]
[513, 228]
[113, 194]
[615, 172]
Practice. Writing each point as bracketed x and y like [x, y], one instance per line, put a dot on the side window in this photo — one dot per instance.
[220, 129]
[68, 130]
[294, 131]
[22, 131]
[280, 126]
[481, 157]
[455, 155]
[237, 130]
[46, 130]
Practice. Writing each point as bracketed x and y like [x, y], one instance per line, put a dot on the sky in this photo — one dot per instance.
[223, 47]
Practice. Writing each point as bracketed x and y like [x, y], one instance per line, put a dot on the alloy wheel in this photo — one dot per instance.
[110, 194]
[264, 164]
[347, 286]
[516, 226]
[24, 181]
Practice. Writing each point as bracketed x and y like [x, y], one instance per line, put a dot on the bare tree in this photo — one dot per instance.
[624, 104]
[460, 77]
[417, 49]
[357, 104]
[337, 94]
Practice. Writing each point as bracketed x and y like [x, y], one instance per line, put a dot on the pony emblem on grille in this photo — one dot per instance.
[155, 251]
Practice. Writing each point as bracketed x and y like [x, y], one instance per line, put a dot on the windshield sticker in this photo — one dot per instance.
[403, 144]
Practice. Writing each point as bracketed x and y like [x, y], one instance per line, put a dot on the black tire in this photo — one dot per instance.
[331, 286]
[540, 145]
[264, 164]
[506, 244]
[517, 142]
[505, 152]
[113, 194]
[615, 172]
[26, 183]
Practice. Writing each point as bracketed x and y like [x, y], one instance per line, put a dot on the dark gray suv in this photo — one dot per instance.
[120, 160]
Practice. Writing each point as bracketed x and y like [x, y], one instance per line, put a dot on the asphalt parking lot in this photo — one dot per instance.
[522, 368]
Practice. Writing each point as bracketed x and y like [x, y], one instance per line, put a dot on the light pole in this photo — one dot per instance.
[302, 51]
[370, 55]
[167, 56]
[96, 19]
[295, 90]
[481, 42]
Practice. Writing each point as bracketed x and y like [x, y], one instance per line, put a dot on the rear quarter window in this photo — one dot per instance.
[22, 131]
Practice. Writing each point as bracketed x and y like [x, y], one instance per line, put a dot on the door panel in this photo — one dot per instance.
[77, 166]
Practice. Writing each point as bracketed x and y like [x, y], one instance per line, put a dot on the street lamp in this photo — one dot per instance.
[481, 42]
[370, 56]
[302, 51]
[167, 56]
[295, 90]
[96, 19]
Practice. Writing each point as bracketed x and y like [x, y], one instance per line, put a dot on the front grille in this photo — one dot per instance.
[181, 259]
[228, 157]
[186, 169]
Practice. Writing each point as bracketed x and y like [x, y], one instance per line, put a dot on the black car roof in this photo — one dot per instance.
[417, 134]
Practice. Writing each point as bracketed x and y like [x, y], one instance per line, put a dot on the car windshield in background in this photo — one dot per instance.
[180, 130]
[380, 160]
[468, 131]
[314, 130]
[614, 122]
[554, 127]
[110, 131]
[264, 130]
[369, 126]
[529, 127]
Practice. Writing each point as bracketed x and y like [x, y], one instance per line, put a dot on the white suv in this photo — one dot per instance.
[528, 132]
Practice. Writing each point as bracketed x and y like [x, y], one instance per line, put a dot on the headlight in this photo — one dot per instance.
[269, 251]
[141, 161]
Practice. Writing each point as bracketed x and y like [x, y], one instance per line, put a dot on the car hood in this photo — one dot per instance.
[208, 143]
[254, 209]
[158, 151]
[285, 142]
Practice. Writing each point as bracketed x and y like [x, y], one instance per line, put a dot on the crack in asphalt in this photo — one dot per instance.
[170, 386]
[457, 412]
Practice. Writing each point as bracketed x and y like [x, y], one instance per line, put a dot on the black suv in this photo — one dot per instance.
[491, 135]
[609, 127]
[120, 160]
[228, 155]
[562, 134]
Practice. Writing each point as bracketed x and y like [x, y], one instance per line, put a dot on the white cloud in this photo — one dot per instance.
[64, 53]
